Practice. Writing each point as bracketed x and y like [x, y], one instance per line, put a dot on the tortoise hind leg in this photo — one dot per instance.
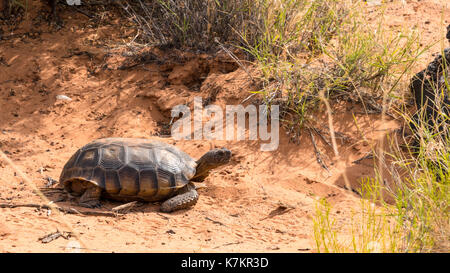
[91, 197]
[185, 198]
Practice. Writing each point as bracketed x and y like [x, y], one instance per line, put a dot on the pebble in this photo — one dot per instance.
[63, 97]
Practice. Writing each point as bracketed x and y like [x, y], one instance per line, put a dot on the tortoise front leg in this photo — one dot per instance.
[91, 197]
[185, 198]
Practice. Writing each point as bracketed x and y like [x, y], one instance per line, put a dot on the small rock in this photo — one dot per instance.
[63, 97]
[50, 182]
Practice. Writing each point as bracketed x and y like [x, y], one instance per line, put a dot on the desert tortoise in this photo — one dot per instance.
[128, 169]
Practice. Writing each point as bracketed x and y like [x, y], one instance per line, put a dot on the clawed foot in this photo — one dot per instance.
[180, 201]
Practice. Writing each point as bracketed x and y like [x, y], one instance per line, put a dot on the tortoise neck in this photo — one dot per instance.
[202, 170]
[211, 160]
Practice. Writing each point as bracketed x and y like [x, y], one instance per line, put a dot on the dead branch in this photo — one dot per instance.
[368, 156]
[125, 207]
[55, 235]
[318, 154]
[322, 137]
[215, 222]
[228, 244]
[65, 210]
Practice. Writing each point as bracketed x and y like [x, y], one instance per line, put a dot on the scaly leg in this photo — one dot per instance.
[185, 198]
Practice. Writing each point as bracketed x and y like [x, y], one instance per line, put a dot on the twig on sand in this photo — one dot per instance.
[163, 216]
[215, 222]
[318, 154]
[228, 244]
[65, 210]
[249, 97]
[338, 135]
[53, 236]
[125, 207]
[319, 132]
[303, 249]
[281, 209]
[367, 156]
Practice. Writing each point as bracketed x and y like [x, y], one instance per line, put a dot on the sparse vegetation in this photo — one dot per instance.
[194, 24]
[307, 48]
[417, 220]
[13, 6]
[308, 51]
[302, 47]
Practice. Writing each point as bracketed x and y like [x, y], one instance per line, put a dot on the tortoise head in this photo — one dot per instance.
[212, 159]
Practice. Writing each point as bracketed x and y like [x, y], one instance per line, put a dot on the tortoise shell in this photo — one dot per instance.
[127, 167]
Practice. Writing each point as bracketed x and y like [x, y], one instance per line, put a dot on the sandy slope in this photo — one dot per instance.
[39, 133]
